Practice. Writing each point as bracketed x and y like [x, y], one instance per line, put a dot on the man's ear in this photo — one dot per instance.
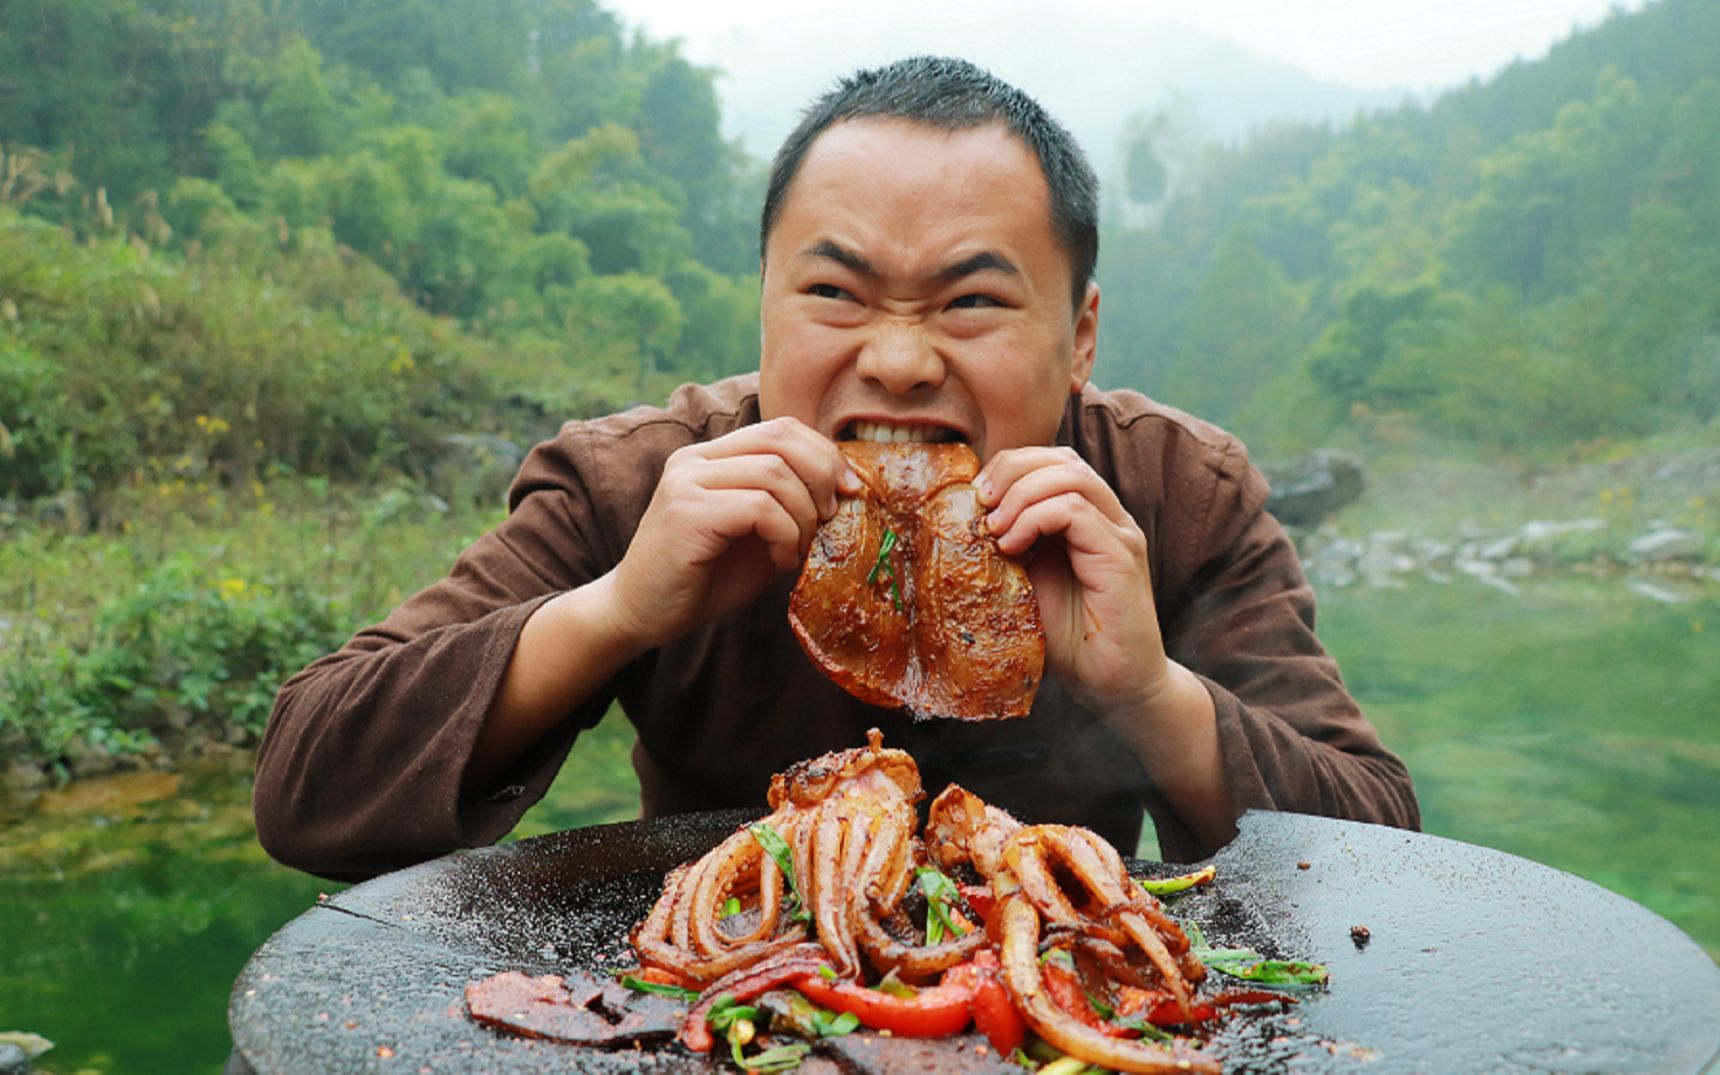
[1086, 339]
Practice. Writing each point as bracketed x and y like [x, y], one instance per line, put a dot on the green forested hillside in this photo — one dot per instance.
[1528, 265]
[306, 236]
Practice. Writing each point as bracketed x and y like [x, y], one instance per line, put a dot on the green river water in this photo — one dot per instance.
[1574, 723]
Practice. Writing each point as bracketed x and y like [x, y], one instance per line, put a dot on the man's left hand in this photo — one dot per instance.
[1088, 561]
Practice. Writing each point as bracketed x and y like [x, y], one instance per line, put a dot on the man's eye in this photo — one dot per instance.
[974, 302]
[828, 291]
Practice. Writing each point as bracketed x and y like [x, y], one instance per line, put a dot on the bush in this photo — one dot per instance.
[182, 653]
[256, 357]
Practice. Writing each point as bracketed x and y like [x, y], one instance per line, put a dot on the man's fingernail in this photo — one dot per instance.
[984, 488]
[849, 482]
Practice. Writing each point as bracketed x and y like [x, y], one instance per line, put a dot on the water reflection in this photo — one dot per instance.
[1572, 723]
[133, 901]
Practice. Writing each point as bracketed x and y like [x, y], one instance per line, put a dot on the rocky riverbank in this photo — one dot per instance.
[1649, 518]
[1663, 563]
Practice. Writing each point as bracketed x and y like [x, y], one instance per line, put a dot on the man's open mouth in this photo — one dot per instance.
[885, 432]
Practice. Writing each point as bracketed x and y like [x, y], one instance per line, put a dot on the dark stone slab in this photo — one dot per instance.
[1475, 960]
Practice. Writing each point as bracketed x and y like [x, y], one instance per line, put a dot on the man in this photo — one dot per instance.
[928, 242]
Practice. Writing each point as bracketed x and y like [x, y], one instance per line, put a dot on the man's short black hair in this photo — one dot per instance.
[951, 95]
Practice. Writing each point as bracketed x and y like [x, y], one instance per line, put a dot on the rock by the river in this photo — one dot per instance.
[475, 467]
[13, 1060]
[1665, 545]
[1310, 489]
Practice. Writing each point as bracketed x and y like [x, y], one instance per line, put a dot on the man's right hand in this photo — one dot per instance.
[727, 516]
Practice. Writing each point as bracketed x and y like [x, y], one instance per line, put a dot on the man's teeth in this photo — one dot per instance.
[878, 431]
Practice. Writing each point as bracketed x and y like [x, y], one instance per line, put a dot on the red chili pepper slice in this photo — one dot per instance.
[979, 898]
[931, 1013]
[660, 976]
[1169, 1013]
[994, 1011]
[744, 986]
[1066, 990]
[1251, 996]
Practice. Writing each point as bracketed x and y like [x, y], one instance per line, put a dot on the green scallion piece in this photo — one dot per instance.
[940, 893]
[777, 848]
[640, 985]
[888, 567]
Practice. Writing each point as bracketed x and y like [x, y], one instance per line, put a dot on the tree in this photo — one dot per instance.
[1245, 327]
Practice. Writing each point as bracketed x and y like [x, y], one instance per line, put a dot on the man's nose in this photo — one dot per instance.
[901, 359]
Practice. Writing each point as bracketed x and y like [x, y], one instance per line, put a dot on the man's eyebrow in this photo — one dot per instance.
[984, 261]
[848, 259]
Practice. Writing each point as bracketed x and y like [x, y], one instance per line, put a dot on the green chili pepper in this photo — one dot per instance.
[1274, 972]
[1170, 886]
[1246, 963]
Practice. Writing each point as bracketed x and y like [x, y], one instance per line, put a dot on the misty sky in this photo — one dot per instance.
[1412, 44]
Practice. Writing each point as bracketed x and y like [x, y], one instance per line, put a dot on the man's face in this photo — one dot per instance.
[914, 288]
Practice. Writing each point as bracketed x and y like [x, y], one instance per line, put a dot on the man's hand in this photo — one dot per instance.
[727, 516]
[1088, 561]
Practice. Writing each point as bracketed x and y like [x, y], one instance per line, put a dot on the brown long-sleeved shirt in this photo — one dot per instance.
[360, 768]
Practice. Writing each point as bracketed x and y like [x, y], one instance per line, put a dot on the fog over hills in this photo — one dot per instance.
[1094, 70]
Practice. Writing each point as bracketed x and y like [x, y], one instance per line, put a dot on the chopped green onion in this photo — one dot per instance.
[640, 985]
[1247, 964]
[792, 1013]
[883, 563]
[827, 972]
[1170, 886]
[777, 848]
[777, 1058]
[1148, 1030]
[725, 1013]
[831, 1025]
[1106, 1012]
[731, 907]
[1274, 972]
[940, 893]
[892, 985]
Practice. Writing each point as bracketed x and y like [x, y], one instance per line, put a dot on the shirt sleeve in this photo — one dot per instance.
[1291, 736]
[361, 766]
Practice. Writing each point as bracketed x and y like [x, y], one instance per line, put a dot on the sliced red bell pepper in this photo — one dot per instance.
[994, 1011]
[931, 1013]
